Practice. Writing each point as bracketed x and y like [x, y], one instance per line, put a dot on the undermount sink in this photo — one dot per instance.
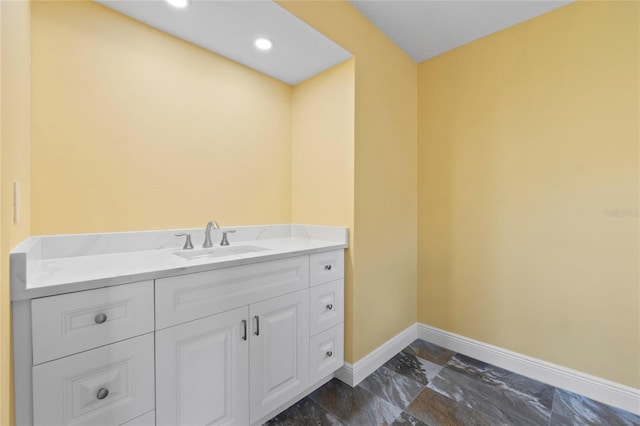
[210, 253]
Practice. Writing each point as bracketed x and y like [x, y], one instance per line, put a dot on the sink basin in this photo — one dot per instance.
[211, 253]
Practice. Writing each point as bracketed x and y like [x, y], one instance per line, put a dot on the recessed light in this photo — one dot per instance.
[263, 44]
[178, 3]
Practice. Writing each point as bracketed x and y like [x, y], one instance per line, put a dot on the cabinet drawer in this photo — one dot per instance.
[70, 323]
[326, 303]
[106, 386]
[193, 296]
[325, 267]
[326, 353]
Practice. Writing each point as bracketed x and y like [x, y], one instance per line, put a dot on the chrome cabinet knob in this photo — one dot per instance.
[329, 354]
[100, 318]
[102, 393]
[329, 307]
[327, 267]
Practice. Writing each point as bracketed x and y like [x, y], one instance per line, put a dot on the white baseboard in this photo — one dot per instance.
[593, 387]
[352, 374]
[602, 390]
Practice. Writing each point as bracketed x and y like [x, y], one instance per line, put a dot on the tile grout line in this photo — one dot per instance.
[345, 422]
[553, 403]
[329, 412]
[327, 409]
[404, 410]
[498, 390]
[426, 387]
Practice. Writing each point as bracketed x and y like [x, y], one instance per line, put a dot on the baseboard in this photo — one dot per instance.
[602, 390]
[593, 387]
[352, 374]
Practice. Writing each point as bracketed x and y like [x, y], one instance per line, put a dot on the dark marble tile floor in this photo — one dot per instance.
[426, 385]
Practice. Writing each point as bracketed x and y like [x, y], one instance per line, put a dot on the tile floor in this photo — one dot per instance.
[429, 385]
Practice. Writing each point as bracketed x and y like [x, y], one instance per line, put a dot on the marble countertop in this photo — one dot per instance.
[49, 265]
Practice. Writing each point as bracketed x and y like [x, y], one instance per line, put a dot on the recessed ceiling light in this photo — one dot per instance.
[263, 44]
[178, 3]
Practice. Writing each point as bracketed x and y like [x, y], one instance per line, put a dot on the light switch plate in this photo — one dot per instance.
[16, 202]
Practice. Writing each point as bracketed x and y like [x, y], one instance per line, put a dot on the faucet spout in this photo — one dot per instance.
[207, 234]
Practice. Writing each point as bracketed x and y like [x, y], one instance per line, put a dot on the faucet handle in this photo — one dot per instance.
[224, 241]
[187, 243]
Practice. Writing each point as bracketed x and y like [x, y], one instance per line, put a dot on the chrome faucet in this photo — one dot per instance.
[207, 234]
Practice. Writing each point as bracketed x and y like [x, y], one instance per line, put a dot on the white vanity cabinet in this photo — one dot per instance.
[230, 346]
[218, 369]
[241, 362]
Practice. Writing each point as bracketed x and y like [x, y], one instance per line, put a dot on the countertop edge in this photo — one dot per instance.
[23, 294]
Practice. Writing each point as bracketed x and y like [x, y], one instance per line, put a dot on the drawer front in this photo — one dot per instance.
[193, 296]
[326, 304]
[70, 323]
[325, 267]
[106, 386]
[148, 419]
[326, 353]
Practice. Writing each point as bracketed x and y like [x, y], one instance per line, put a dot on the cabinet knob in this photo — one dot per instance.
[327, 267]
[329, 354]
[329, 307]
[102, 393]
[100, 318]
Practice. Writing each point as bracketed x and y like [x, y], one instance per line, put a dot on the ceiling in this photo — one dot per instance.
[229, 28]
[422, 28]
[427, 28]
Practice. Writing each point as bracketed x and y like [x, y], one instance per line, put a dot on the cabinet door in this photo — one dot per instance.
[279, 351]
[202, 371]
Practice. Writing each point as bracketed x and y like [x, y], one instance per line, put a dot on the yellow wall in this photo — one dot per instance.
[526, 138]
[322, 160]
[385, 175]
[135, 129]
[322, 147]
[15, 150]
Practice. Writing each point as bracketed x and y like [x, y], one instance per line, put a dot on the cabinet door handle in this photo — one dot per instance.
[329, 307]
[257, 333]
[100, 318]
[102, 393]
[244, 326]
[329, 354]
[327, 267]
